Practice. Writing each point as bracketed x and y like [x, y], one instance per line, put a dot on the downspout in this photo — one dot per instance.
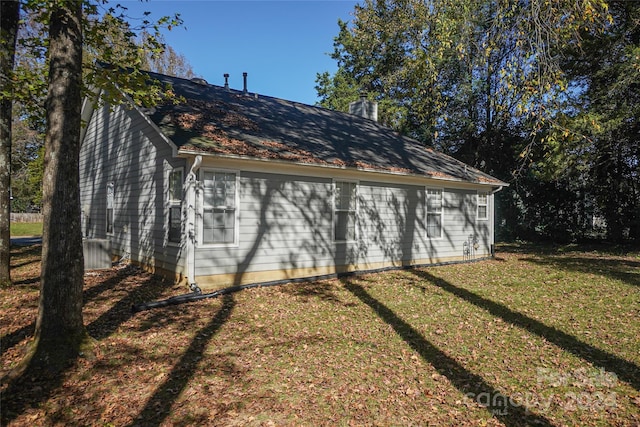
[492, 243]
[192, 197]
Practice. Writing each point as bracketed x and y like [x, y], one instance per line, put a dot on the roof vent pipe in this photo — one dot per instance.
[244, 77]
[226, 81]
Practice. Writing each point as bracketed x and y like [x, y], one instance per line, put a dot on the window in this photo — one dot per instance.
[219, 207]
[175, 205]
[483, 205]
[110, 203]
[434, 213]
[345, 211]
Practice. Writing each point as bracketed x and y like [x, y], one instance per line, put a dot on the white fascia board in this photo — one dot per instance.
[285, 167]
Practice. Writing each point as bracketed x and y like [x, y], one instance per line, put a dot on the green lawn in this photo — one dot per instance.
[534, 337]
[26, 229]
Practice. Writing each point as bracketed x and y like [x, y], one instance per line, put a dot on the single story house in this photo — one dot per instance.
[229, 187]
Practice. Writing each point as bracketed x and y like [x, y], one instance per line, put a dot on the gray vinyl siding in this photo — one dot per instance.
[121, 147]
[286, 222]
[390, 222]
[461, 224]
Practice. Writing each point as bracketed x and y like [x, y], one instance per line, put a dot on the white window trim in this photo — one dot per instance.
[200, 210]
[171, 203]
[333, 211]
[110, 185]
[426, 212]
[478, 194]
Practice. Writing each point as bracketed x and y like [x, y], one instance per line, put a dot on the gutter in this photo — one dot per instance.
[498, 189]
[331, 170]
[493, 219]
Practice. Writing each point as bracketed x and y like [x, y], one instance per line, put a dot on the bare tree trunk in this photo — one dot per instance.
[9, 15]
[60, 330]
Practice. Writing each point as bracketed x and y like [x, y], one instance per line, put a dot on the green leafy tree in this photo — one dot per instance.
[484, 81]
[597, 137]
[337, 91]
[113, 39]
[458, 70]
[67, 28]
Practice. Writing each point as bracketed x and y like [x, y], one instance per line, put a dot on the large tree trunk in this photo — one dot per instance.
[9, 14]
[60, 329]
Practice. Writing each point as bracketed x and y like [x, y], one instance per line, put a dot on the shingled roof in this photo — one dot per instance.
[217, 120]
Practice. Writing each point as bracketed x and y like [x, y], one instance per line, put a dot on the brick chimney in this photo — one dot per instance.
[364, 108]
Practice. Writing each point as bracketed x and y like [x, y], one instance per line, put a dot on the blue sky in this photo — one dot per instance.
[282, 45]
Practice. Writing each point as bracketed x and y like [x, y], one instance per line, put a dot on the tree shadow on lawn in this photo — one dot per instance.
[35, 261]
[120, 312]
[120, 309]
[464, 380]
[12, 339]
[546, 248]
[158, 407]
[602, 258]
[31, 388]
[35, 249]
[617, 269]
[121, 274]
[316, 290]
[30, 255]
[26, 282]
[625, 370]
